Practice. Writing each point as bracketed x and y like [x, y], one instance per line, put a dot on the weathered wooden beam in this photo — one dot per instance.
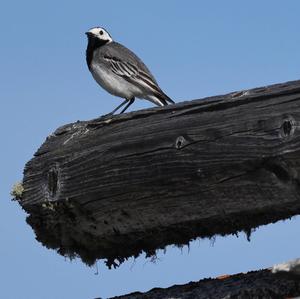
[256, 284]
[110, 188]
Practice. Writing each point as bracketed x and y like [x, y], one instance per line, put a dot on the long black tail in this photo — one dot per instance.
[164, 99]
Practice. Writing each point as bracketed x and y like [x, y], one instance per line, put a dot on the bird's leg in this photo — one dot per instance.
[122, 104]
[129, 102]
[126, 107]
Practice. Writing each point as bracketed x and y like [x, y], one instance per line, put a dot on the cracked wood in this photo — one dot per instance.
[110, 188]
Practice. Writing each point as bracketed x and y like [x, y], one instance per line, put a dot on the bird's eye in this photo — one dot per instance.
[101, 32]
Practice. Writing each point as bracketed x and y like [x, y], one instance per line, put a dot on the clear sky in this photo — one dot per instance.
[194, 49]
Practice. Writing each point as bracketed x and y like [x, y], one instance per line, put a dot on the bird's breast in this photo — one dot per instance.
[113, 83]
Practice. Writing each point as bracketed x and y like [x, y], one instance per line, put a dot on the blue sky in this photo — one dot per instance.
[194, 49]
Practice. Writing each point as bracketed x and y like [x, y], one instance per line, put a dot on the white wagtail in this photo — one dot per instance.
[119, 71]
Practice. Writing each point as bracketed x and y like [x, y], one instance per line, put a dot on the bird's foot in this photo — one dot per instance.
[105, 116]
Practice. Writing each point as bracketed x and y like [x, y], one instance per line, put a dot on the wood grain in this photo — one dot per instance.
[110, 188]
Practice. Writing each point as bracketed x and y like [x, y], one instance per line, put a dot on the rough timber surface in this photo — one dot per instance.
[112, 188]
[259, 284]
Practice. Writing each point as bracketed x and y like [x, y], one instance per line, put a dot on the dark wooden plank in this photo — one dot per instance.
[110, 188]
[257, 284]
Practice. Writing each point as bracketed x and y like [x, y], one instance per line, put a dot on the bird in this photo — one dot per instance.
[121, 72]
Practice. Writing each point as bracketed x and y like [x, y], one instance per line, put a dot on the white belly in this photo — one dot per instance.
[114, 84]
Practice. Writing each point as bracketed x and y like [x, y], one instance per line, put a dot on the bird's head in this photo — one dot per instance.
[99, 34]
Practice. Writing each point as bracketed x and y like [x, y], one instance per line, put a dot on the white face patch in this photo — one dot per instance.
[101, 33]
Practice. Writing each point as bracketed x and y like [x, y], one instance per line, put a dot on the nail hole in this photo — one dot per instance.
[287, 127]
[180, 142]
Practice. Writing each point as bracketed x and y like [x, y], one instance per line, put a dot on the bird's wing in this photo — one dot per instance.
[132, 73]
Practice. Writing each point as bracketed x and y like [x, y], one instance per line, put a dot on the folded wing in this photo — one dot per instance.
[136, 76]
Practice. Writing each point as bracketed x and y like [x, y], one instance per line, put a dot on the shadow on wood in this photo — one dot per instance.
[112, 188]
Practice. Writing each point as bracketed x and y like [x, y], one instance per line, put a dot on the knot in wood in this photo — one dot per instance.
[288, 127]
[180, 142]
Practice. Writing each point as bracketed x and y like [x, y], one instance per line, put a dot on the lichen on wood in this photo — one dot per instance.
[17, 191]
